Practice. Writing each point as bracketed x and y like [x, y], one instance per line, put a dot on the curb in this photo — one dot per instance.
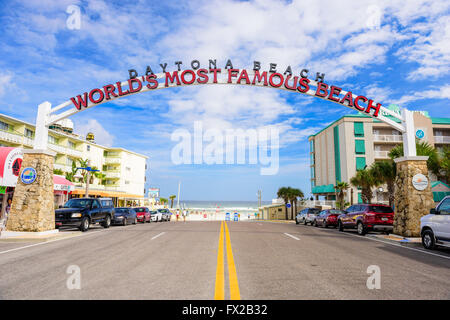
[407, 242]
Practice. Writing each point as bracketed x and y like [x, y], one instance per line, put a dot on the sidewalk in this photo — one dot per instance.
[410, 242]
[30, 237]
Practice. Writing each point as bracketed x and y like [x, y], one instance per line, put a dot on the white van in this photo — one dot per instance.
[435, 227]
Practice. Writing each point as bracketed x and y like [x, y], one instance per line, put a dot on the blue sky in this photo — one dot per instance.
[405, 59]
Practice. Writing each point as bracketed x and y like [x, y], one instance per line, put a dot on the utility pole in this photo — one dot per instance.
[178, 197]
[259, 201]
[88, 179]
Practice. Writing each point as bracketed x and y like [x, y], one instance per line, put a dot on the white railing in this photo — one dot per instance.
[28, 141]
[64, 150]
[10, 137]
[112, 160]
[441, 139]
[74, 153]
[62, 167]
[381, 154]
[387, 138]
[314, 203]
[112, 174]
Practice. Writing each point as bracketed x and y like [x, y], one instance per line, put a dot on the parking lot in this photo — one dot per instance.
[179, 260]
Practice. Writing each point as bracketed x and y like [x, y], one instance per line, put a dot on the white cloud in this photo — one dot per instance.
[5, 82]
[102, 136]
[441, 93]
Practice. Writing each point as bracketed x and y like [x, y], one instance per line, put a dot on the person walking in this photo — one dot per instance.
[178, 213]
[184, 215]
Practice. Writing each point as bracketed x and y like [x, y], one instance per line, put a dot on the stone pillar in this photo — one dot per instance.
[411, 204]
[33, 205]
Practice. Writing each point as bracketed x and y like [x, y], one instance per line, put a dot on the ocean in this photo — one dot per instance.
[222, 206]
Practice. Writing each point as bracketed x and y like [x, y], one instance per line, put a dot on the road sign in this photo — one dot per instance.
[227, 216]
[236, 216]
[288, 205]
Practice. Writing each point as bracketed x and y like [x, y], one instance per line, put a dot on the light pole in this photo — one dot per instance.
[89, 170]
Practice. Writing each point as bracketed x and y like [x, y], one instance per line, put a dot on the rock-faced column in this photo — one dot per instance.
[32, 207]
[413, 196]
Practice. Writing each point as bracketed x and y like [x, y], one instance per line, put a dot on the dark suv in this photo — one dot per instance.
[82, 212]
[367, 217]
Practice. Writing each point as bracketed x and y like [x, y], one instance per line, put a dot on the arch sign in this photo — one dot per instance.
[197, 75]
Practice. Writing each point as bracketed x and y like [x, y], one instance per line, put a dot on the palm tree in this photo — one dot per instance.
[163, 200]
[364, 180]
[172, 198]
[283, 193]
[58, 172]
[341, 187]
[294, 195]
[384, 172]
[444, 157]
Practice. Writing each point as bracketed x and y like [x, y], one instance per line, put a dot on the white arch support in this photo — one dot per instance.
[47, 115]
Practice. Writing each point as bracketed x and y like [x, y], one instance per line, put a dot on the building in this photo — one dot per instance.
[122, 172]
[355, 141]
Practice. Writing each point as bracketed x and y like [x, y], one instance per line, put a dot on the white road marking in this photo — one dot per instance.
[290, 235]
[387, 242]
[158, 235]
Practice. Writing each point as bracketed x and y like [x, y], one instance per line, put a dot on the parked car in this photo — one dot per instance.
[124, 216]
[165, 214]
[83, 212]
[143, 214]
[307, 216]
[435, 227]
[328, 218]
[367, 217]
[156, 216]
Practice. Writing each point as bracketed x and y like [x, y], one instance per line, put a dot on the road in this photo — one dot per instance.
[252, 260]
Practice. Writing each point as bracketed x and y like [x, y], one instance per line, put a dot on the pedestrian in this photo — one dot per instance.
[178, 213]
[184, 215]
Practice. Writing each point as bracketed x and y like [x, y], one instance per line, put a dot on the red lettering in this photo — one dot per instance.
[130, 85]
[286, 83]
[334, 90]
[232, 73]
[280, 76]
[109, 90]
[244, 75]
[322, 86]
[260, 77]
[215, 71]
[80, 102]
[303, 85]
[202, 74]
[152, 82]
[192, 73]
[376, 108]
[357, 106]
[119, 88]
[100, 98]
[171, 78]
[349, 98]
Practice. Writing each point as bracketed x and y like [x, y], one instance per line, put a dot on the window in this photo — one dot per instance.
[52, 139]
[359, 198]
[88, 148]
[71, 145]
[69, 161]
[360, 163]
[359, 129]
[95, 205]
[311, 145]
[127, 182]
[4, 126]
[29, 133]
[128, 168]
[444, 208]
[312, 173]
[360, 147]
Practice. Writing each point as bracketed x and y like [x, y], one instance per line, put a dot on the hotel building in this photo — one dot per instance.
[124, 171]
[355, 141]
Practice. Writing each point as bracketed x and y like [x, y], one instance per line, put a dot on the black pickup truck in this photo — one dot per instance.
[82, 212]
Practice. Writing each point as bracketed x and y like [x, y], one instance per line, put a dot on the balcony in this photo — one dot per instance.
[62, 167]
[387, 138]
[11, 137]
[314, 203]
[109, 160]
[381, 154]
[112, 175]
[442, 139]
[64, 150]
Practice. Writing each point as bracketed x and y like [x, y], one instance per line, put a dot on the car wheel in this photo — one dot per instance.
[315, 223]
[361, 230]
[135, 221]
[304, 222]
[124, 222]
[107, 222]
[428, 240]
[340, 226]
[296, 221]
[325, 224]
[84, 226]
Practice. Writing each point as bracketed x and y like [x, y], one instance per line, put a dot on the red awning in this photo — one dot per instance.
[62, 184]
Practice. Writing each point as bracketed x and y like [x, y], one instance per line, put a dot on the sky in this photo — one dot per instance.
[396, 52]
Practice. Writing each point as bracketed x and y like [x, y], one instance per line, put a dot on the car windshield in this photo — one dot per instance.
[78, 203]
[380, 209]
[139, 209]
[314, 211]
[153, 212]
[121, 210]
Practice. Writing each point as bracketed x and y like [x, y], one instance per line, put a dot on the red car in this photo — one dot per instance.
[328, 218]
[367, 217]
[143, 214]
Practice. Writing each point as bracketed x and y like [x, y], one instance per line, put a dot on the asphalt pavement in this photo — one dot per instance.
[225, 260]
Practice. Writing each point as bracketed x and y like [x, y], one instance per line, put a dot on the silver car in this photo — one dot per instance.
[307, 215]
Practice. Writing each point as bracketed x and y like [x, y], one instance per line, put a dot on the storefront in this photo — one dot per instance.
[120, 199]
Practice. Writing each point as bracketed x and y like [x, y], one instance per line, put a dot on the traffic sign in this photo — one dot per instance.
[236, 216]
[288, 205]
[227, 216]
